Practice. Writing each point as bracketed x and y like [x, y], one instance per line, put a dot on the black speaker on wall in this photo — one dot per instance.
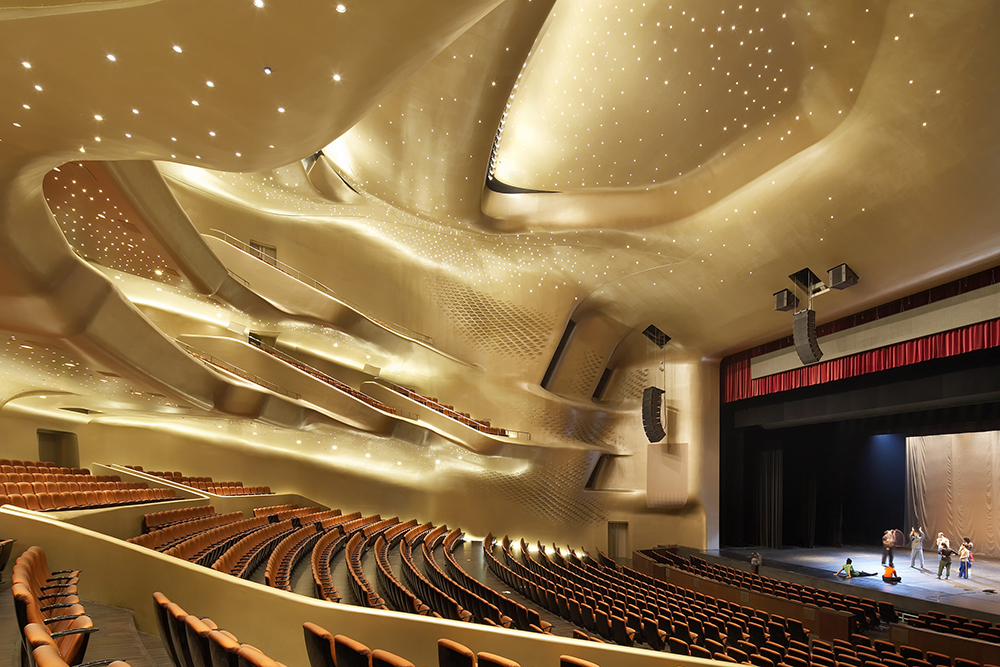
[652, 404]
[804, 334]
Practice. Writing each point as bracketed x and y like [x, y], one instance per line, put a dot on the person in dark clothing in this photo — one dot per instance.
[755, 561]
[945, 552]
[888, 542]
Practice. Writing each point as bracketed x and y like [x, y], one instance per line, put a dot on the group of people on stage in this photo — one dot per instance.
[917, 537]
[945, 552]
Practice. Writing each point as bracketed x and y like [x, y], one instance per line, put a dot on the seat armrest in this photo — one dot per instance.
[62, 618]
[61, 605]
[76, 631]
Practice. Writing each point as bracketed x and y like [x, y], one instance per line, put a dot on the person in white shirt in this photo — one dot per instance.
[917, 546]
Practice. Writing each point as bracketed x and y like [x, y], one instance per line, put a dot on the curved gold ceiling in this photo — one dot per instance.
[641, 94]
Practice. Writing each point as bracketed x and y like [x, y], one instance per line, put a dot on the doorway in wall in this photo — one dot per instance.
[618, 540]
[267, 253]
[60, 447]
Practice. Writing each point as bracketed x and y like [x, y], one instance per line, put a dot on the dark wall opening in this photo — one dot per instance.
[842, 450]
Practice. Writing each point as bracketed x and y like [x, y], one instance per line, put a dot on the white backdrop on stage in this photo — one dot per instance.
[953, 486]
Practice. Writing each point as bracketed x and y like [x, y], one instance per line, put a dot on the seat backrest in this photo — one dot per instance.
[570, 661]
[492, 660]
[319, 645]
[350, 653]
[453, 654]
[382, 658]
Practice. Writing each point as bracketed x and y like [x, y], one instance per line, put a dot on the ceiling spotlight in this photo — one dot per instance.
[336, 77]
[26, 64]
[178, 49]
[267, 70]
[258, 3]
[341, 9]
[111, 58]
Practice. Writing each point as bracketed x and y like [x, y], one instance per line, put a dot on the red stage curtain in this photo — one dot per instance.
[737, 384]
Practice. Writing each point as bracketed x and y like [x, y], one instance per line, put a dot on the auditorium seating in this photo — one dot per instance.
[970, 628]
[323, 377]
[43, 486]
[198, 642]
[327, 650]
[207, 484]
[448, 410]
[53, 624]
[422, 587]
[867, 612]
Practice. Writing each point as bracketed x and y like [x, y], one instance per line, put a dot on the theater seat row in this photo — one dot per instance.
[74, 500]
[54, 628]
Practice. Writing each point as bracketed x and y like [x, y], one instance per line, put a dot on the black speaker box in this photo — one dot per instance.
[785, 300]
[842, 277]
[804, 334]
[652, 405]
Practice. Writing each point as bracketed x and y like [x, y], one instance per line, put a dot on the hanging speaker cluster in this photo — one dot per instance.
[804, 321]
[804, 335]
[652, 408]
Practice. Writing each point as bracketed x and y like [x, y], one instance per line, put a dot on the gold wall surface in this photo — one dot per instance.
[491, 171]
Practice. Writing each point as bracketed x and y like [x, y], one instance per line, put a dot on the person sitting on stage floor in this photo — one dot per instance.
[890, 576]
[849, 571]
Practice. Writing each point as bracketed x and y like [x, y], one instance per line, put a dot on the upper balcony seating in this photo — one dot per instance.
[323, 377]
[449, 411]
[231, 488]
[43, 486]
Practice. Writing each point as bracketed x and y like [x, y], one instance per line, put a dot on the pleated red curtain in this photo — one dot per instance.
[737, 383]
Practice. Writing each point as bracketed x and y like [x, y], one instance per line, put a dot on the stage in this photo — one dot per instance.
[918, 592]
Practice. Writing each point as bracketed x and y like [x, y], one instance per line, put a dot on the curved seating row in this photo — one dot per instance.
[174, 534]
[449, 411]
[867, 612]
[482, 610]
[363, 590]
[300, 544]
[160, 520]
[329, 547]
[244, 556]
[955, 624]
[433, 596]
[401, 598]
[206, 547]
[521, 617]
[220, 488]
[339, 385]
[79, 500]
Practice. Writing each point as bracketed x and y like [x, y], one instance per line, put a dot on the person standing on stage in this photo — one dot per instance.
[963, 561]
[888, 542]
[968, 566]
[945, 552]
[941, 539]
[917, 546]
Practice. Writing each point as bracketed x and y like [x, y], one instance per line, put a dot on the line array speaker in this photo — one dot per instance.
[804, 335]
[652, 404]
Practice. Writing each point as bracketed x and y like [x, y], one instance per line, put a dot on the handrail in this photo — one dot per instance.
[339, 385]
[454, 415]
[236, 370]
[315, 284]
